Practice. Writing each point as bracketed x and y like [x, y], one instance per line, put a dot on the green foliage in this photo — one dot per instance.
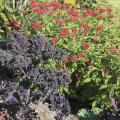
[91, 37]
[87, 3]
[92, 114]
[6, 15]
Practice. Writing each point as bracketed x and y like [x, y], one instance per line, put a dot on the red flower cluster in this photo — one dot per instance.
[73, 58]
[109, 11]
[11, 24]
[51, 13]
[85, 26]
[40, 11]
[33, 4]
[98, 28]
[44, 4]
[102, 10]
[84, 15]
[53, 41]
[44, 7]
[35, 25]
[84, 57]
[80, 54]
[74, 32]
[59, 22]
[86, 46]
[110, 16]
[56, 5]
[73, 12]
[91, 12]
[114, 50]
[74, 18]
[65, 60]
[64, 32]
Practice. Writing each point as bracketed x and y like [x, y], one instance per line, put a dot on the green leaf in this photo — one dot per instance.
[3, 16]
[103, 87]
[87, 80]
[94, 104]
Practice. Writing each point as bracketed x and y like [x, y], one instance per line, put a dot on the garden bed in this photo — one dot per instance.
[63, 58]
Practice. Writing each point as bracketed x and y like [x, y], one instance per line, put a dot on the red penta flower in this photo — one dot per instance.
[109, 10]
[59, 22]
[35, 25]
[51, 13]
[82, 23]
[91, 12]
[73, 58]
[33, 3]
[86, 46]
[80, 54]
[74, 32]
[98, 28]
[73, 11]
[74, 18]
[64, 32]
[40, 11]
[114, 50]
[65, 60]
[13, 23]
[102, 10]
[45, 4]
[85, 26]
[84, 15]
[56, 5]
[110, 16]
[53, 41]
[85, 58]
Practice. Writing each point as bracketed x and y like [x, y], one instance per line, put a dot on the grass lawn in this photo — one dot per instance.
[115, 3]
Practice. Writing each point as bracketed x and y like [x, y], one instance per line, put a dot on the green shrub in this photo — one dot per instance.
[92, 114]
[91, 38]
[87, 3]
[6, 15]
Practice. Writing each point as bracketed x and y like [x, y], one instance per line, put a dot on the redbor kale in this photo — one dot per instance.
[22, 82]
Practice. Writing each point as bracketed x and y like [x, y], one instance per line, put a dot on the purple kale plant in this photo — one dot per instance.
[22, 82]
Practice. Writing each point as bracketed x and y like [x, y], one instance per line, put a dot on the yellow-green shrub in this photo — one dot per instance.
[6, 15]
